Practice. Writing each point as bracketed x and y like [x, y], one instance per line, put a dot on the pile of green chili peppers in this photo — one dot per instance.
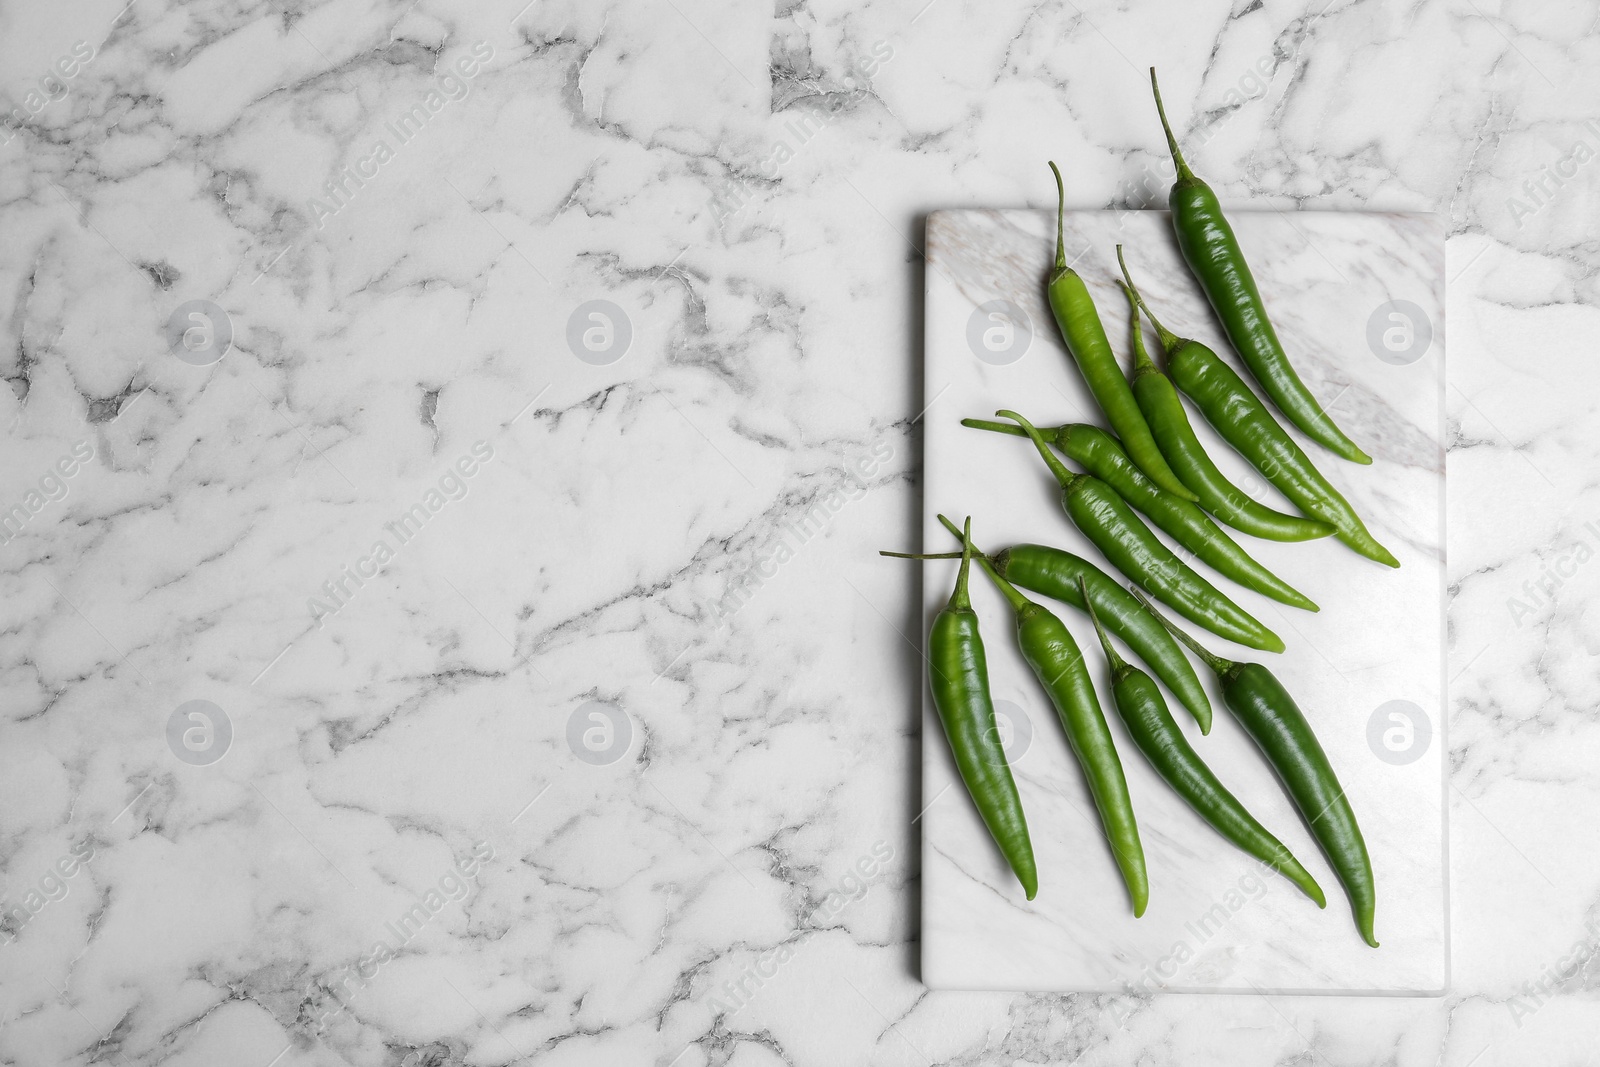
[1150, 463]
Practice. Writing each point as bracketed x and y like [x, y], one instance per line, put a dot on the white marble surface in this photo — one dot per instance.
[1215, 922]
[747, 866]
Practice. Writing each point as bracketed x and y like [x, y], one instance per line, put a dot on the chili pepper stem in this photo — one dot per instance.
[1061, 209]
[1059, 469]
[1169, 340]
[921, 555]
[1216, 663]
[1172, 142]
[1017, 601]
[997, 427]
[959, 598]
[1142, 363]
[1118, 664]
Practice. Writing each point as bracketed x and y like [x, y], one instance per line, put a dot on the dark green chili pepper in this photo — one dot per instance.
[1152, 728]
[1246, 424]
[1053, 655]
[1162, 406]
[1098, 453]
[958, 672]
[1212, 252]
[1054, 573]
[1096, 509]
[1280, 730]
[1086, 341]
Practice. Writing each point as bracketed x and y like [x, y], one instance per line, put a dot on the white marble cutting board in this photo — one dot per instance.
[1216, 921]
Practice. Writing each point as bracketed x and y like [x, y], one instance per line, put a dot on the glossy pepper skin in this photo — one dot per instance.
[1099, 454]
[1051, 652]
[1061, 575]
[1143, 711]
[1246, 424]
[1229, 503]
[958, 673]
[1280, 730]
[1212, 252]
[1086, 340]
[1096, 509]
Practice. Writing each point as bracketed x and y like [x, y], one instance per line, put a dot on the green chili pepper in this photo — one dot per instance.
[1086, 341]
[1209, 247]
[1152, 728]
[959, 675]
[1054, 573]
[1096, 509]
[1280, 730]
[1053, 655]
[1222, 498]
[1246, 424]
[1099, 454]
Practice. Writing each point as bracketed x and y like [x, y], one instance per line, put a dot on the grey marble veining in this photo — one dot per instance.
[610, 753]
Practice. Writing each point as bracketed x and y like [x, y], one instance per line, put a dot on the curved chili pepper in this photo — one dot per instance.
[1212, 251]
[1080, 326]
[1280, 730]
[958, 674]
[1096, 509]
[1152, 728]
[1098, 453]
[1047, 645]
[1246, 424]
[1170, 423]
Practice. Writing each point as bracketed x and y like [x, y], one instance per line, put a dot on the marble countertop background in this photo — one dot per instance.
[408, 660]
